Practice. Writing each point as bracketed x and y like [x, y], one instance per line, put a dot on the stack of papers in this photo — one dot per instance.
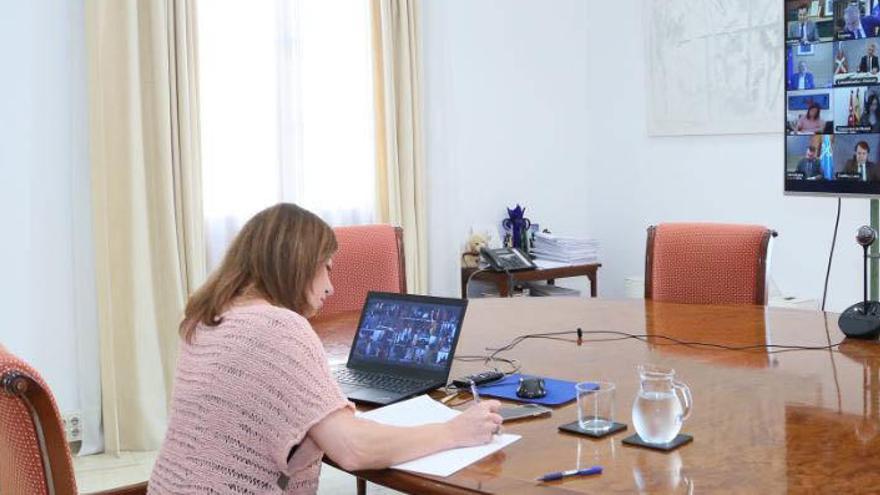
[570, 250]
[424, 410]
[541, 290]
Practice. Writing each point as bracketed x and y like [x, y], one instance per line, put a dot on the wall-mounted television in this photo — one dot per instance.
[832, 97]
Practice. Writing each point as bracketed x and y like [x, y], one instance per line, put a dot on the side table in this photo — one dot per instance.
[501, 280]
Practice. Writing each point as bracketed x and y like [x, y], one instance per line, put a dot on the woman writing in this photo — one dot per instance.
[255, 407]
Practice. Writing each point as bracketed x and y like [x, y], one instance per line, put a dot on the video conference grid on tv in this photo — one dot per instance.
[406, 333]
[833, 92]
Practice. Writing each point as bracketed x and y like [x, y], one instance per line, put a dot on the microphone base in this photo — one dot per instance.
[856, 324]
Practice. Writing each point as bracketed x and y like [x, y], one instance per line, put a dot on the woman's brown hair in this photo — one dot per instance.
[275, 256]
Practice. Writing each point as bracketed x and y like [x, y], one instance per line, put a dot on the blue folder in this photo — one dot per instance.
[558, 391]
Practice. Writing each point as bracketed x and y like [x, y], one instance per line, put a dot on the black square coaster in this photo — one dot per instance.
[575, 427]
[676, 442]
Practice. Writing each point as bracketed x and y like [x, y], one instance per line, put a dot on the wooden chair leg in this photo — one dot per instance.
[361, 487]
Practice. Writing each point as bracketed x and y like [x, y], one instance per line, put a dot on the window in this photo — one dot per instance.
[286, 98]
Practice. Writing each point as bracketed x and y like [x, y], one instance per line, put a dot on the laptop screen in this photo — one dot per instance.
[410, 331]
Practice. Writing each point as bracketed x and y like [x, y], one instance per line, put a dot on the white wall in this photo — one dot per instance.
[519, 107]
[47, 296]
[506, 120]
[637, 180]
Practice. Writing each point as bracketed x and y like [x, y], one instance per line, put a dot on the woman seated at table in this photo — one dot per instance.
[254, 406]
[811, 123]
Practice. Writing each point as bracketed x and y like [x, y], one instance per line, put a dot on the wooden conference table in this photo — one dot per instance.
[762, 422]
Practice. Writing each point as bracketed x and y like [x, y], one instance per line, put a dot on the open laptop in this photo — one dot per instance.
[403, 347]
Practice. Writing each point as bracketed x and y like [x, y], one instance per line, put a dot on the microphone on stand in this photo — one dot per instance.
[862, 319]
[865, 237]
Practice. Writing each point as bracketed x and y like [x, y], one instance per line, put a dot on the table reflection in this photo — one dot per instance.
[488, 469]
[596, 452]
[866, 354]
[691, 323]
[654, 472]
[823, 443]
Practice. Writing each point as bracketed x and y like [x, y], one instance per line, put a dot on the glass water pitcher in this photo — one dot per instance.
[661, 406]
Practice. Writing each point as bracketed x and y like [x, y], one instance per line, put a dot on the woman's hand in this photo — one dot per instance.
[476, 425]
[356, 443]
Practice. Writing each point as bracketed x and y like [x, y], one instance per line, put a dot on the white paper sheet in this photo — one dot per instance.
[544, 263]
[424, 410]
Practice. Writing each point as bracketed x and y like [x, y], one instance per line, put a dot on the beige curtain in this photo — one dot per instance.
[400, 152]
[146, 180]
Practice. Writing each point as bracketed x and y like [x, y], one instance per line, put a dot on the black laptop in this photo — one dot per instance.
[403, 347]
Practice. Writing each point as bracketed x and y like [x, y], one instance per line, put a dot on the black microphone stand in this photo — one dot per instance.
[862, 319]
[865, 280]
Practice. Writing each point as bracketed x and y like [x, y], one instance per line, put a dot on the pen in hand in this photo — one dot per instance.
[558, 475]
[474, 392]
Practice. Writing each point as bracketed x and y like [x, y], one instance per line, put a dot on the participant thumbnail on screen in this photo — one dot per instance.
[809, 66]
[809, 112]
[856, 19]
[407, 333]
[809, 157]
[808, 22]
[856, 157]
[857, 110]
[856, 62]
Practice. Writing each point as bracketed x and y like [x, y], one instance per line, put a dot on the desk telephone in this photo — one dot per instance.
[507, 259]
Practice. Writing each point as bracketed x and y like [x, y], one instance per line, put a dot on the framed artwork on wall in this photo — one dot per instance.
[713, 67]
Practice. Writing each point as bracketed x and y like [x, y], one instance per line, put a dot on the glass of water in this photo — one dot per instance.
[595, 401]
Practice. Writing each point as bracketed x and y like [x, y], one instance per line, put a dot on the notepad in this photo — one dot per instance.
[424, 410]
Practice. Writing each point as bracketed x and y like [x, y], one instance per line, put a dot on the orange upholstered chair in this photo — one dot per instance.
[34, 458]
[707, 263]
[370, 257]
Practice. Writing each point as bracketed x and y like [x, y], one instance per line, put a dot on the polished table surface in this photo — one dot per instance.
[763, 422]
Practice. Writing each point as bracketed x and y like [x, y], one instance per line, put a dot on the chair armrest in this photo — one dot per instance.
[136, 489]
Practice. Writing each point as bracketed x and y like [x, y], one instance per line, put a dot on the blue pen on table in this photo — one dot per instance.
[558, 475]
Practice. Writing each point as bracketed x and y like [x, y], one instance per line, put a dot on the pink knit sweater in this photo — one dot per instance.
[245, 393]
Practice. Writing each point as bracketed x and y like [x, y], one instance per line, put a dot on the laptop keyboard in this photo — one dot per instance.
[378, 380]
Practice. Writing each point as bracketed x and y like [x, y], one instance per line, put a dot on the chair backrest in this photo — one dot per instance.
[370, 257]
[35, 458]
[707, 263]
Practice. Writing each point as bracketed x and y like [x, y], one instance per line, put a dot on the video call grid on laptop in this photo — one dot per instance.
[403, 346]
